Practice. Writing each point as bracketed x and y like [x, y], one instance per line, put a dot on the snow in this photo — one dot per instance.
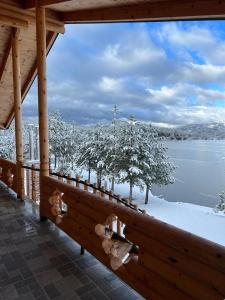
[199, 220]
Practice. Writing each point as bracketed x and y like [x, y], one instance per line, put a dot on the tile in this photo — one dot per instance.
[52, 291]
[40, 262]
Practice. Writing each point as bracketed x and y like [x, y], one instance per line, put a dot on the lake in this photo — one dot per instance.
[200, 173]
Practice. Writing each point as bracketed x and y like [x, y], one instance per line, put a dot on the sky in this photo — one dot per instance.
[169, 73]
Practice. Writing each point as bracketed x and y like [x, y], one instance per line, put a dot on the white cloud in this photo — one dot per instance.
[168, 73]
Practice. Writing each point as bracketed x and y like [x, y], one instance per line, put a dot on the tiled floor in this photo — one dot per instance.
[38, 261]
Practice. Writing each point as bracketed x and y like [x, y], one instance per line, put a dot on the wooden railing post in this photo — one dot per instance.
[18, 112]
[42, 97]
[33, 182]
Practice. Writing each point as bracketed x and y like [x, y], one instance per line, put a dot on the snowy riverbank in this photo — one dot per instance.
[200, 220]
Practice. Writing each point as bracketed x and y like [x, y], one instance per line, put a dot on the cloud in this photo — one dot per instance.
[164, 72]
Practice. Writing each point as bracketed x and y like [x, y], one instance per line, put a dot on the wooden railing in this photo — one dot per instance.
[165, 262]
[8, 173]
[32, 182]
[158, 260]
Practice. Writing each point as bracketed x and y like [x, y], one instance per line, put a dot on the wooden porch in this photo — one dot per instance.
[39, 261]
[156, 259]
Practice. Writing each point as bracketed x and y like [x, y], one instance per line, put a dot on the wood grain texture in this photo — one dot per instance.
[172, 263]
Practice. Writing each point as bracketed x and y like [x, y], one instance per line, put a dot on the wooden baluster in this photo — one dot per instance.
[118, 224]
[28, 182]
[102, 194]
[110, 195]
[86, 185]
[110, 199]
[33, 183]
[136, 207]
[78, 182]
[94, 188]
[144, 211]
[68, 179]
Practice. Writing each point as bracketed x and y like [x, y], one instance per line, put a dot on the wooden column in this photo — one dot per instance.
[42, 98]
[18, 111]
[42, 90]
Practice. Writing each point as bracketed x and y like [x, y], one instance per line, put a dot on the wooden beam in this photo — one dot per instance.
[31, 76]
[25, 17]
[42, 90]
[18, 111]
[12, 21]
[28, 4]
[6, 58]
[150, 11]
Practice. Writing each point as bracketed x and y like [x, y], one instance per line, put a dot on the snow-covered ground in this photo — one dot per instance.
[200, 220]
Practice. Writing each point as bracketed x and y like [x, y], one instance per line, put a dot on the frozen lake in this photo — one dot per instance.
[200, 173]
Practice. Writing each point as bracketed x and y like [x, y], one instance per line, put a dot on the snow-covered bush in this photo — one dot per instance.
[221, 205]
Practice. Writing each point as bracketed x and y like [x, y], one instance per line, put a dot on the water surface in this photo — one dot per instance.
[200, 173]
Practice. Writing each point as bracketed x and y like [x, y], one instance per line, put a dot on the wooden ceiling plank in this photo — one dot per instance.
[31, 76]
[6, 58]
[52, 24]
[150, 11]
[28, 4]
[12, 21]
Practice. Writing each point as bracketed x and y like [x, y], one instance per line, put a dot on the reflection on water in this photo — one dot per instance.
[200, 173]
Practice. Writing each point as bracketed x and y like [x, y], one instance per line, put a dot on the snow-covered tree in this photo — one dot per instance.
[129, 154]
[93, 150]
[221, 205]
[62, 142]
[7, 143]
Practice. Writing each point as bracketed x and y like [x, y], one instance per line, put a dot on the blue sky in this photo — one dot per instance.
[166, 73]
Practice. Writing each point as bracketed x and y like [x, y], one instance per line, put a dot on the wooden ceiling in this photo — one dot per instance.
[21, 14]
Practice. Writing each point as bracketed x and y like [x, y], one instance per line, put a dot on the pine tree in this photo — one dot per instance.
[128, 155]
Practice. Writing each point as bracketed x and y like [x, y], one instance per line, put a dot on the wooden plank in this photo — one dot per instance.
[179, 261]
[28, 4]
[213, 254]
[51, 37]
[150, 11]
[12, 21]
[6, 58]
[52, 24]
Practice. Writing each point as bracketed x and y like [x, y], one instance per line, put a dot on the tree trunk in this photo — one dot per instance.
[99, 179]
[113, 183]
[131, 190]
[89, 174]
[55, 161]
[148, 188]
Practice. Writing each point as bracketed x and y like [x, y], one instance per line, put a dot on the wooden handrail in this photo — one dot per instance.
[90, 185]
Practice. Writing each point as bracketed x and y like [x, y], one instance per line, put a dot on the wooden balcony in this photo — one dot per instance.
[39, 261]
[164, 262]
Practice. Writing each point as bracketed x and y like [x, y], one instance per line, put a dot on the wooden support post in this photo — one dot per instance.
[33, 184]
[42, 90]
[18, 112]
[42, 98]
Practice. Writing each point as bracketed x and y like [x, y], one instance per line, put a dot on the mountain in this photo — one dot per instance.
[206, 131]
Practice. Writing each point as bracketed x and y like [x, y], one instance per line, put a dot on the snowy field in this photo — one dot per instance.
[200, 220]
